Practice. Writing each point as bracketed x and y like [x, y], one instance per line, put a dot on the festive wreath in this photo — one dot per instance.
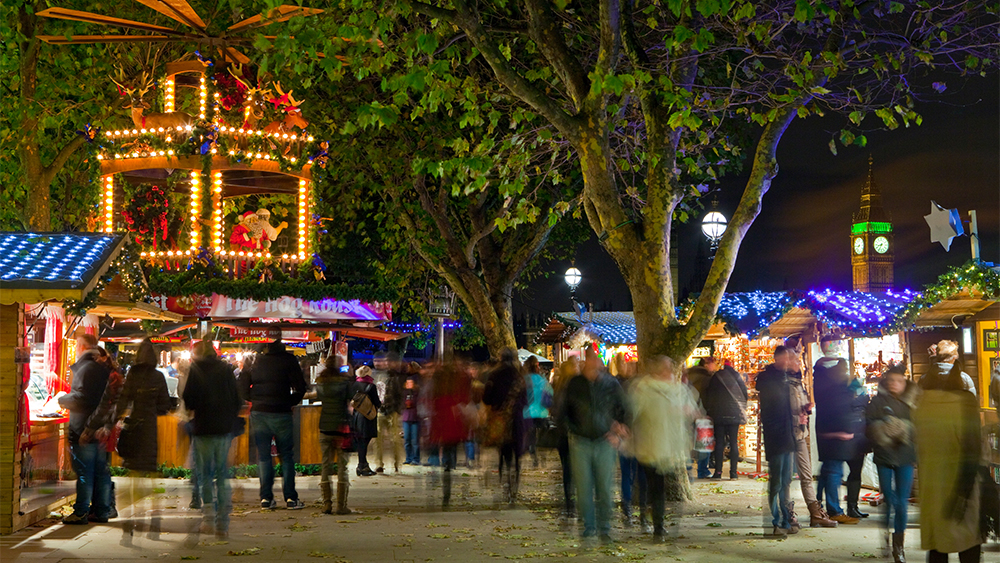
[145, 214]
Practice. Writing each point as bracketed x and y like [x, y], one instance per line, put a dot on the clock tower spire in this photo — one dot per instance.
[872, 247]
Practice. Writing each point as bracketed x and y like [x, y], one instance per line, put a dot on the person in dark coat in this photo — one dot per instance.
[411, 418]
[333, 389]
[700, 376]
[93, 480]
[726, 403]
[778, 424]
[596, 414]
[507, 393]
[144, 397]
[890, 430]
[273, 385]
[211, 396]
[362, 428]
[836, 424]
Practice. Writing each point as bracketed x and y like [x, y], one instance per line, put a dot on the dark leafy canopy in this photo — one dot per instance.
[458, 187]
[659, 98]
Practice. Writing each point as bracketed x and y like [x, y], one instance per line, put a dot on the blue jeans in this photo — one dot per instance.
[470, 450]
[703, 471]
[211, 465]
[632, 476]
[830, 477]
[896, 483]
[93, 481]
[267, 425]
[778, 484]
[593, 464]
[411, 441]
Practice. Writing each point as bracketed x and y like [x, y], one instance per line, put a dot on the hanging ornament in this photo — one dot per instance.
[945, 225]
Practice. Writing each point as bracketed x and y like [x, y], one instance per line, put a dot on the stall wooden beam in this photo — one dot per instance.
[11, 397]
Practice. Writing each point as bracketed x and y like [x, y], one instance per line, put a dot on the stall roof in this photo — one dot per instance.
[781, 314]
[37, 267]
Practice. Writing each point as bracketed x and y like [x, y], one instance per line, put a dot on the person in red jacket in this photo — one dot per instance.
[450, 418]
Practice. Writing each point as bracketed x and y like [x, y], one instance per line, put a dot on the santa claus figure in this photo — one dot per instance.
[243, 233]
[268, 233]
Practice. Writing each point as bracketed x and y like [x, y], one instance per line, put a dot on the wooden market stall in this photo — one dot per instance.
[37, 269]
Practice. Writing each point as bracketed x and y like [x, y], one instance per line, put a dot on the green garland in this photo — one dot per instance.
[972, 276]
[249, 287]
[128, 266]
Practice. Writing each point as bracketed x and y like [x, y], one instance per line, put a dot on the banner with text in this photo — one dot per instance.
[294, 308]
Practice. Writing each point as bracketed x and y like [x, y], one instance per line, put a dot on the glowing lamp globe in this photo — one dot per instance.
[573, 278]
[713, 225]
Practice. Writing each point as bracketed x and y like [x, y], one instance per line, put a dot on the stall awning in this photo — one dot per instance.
[38, 267]
[137, 310]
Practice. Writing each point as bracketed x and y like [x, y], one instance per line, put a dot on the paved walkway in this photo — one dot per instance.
[401, 520]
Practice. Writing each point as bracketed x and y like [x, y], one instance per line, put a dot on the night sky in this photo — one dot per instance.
[801, 238]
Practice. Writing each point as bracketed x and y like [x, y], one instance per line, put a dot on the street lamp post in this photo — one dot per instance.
[714, 226]
[442, 306]
[573, 278]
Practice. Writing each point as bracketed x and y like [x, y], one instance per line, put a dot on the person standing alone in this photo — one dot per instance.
[274, 384]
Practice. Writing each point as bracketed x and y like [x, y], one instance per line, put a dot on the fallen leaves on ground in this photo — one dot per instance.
[241, 552]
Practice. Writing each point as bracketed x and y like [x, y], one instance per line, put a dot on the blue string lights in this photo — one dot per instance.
[52, 258]
[419, 327]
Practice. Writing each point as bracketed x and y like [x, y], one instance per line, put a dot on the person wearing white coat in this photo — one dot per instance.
[663, 410]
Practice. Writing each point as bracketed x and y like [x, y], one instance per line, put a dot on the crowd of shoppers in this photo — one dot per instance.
[641, 421]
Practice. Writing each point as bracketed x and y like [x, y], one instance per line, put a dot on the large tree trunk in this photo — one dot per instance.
[491, 311]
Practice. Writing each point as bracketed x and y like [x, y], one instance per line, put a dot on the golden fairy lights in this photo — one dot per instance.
[203, 97]
[217, 211]
[109, 203]
[195, 207]
[168, 94]
[303, 216]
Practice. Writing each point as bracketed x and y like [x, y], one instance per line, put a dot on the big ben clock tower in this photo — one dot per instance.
[872, 248]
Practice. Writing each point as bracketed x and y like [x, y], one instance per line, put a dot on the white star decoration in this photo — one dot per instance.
[945, 225]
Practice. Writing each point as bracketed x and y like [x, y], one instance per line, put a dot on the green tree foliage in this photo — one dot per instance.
[658, 99]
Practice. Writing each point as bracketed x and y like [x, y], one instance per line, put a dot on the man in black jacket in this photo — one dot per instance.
[212, 397]
[726, 403]
[777, 422]
[595, 414]
[90, 462]
[274, 384]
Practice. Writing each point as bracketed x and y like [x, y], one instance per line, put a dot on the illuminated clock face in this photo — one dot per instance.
[881, 245]
[859, 245]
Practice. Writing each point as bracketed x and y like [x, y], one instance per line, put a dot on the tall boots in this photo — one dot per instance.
[897, 548]
[818, 517]
[327, 490]
[446, 486]
[342, 489]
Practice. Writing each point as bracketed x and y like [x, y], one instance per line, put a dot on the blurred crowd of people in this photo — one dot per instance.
[660, 428]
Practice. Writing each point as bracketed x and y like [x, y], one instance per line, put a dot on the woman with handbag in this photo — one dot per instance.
[364, 426]
[948, 453]
[333, 388]
[506, 396]
[144, 397]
